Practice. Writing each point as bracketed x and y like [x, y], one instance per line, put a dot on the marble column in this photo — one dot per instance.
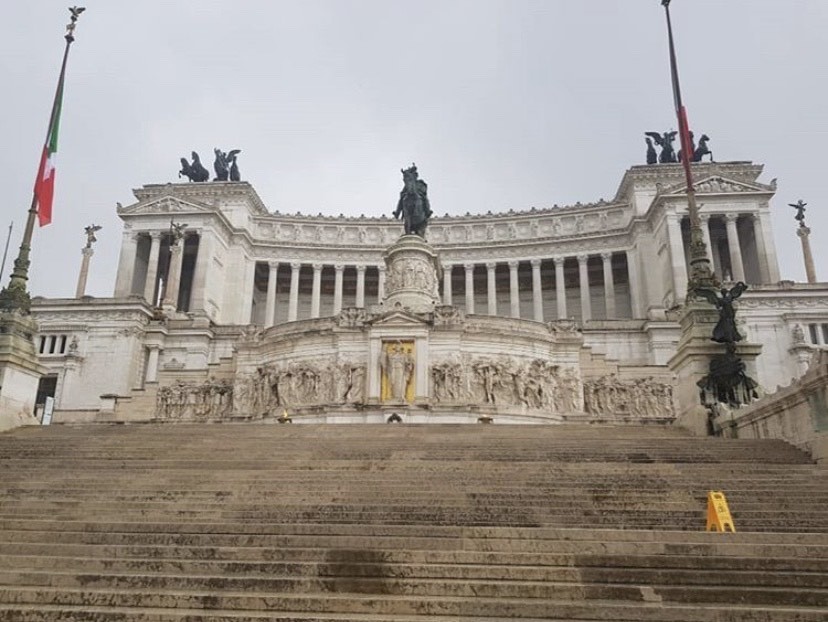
[173, 277]
[152, 269]
[636, 294]
[151, 374]
[804, 234]
[293, 304]
[537, 291]
[609, 286]
[469, 267]
[735, 248]
[491, 287]
[204, 258]
[761, 250]
[270, 304]
[447, 269]
[514, 292]
[560, 287]
[337, 307]
[583, 284]
[126, 264]
[380, 283]
[678, 262]
[360, 286]
[87, 253]
[316, 288]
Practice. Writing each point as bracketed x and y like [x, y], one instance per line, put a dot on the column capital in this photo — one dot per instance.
[513, 265]
[803, 232]
[381, 268]
[491, 265]
[361, 268]
[339, 267]
[705, 218]
[558, 260]
[469, 267]
[606, 256]
[295, 265]
[536, 263]
[731, 216]
[87, 251]
[273, 265]
[582, 259]
[317, 267]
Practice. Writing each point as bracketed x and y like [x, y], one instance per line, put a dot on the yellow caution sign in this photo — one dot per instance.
[718, 514]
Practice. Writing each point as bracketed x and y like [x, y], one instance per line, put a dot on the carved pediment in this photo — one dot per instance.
[397, 318]
[716, 184]
[164, 205]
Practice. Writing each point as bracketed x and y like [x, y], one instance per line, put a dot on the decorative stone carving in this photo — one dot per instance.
[507, 382]
[298, 384]
[609, 397]
[448, 315]
[353, 317]
[411, 280]
[188, 402]
[563, 326]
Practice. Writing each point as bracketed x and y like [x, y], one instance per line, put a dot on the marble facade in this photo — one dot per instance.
[523, 306]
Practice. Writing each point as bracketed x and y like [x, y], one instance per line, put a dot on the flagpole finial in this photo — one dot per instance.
[74, 12]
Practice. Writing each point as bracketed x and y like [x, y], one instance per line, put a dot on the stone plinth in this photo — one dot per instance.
[20, 371]
[412, 273]
[691, 362]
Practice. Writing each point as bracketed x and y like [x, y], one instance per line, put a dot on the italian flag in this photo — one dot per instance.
[44, 188]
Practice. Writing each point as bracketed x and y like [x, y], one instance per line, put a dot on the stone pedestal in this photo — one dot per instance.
[20, 371]
[691, 362]
[412, 276]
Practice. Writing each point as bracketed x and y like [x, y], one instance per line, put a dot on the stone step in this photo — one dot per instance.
[341, 580]
[83, 572]
[565, 612]
[397, 604]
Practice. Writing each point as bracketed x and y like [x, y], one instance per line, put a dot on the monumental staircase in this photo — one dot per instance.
[247, 522]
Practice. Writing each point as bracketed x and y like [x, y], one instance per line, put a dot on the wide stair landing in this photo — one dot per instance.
[394, 522]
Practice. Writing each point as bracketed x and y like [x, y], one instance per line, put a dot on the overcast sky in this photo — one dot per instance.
[502, 104]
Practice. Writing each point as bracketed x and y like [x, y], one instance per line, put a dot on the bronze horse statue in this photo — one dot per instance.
[194, 171]
[413, 206]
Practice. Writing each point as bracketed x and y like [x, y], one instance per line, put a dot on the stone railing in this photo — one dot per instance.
[797, 414]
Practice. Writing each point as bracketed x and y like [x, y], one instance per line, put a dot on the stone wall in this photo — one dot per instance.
[797, 414]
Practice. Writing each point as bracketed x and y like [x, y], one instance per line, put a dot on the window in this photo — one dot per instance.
[53, 344]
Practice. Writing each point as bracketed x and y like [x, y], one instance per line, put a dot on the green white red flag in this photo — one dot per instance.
[44, 187]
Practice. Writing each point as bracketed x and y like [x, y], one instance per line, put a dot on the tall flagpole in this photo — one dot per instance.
[6, 251]
[15, 297]
[701, 274]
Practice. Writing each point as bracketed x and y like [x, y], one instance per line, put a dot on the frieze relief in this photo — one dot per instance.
[190, 402]
[506, 382]
[609, 396]
[271, 388]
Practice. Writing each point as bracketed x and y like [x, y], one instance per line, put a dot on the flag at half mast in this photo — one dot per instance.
[44, 188]
[681, 112]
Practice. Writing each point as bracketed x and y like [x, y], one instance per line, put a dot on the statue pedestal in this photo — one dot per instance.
[412, 275]
[691, 362]
[20, 371]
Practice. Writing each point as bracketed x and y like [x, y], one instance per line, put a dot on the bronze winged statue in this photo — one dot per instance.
[725, 330]
[665, 141]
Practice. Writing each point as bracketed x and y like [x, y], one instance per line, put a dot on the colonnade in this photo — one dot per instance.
[738, 247]
[536, 289]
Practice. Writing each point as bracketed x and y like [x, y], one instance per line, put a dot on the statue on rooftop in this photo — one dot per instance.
[665, 141]
[224, 165]
[194, 171]
[413, 206]
[90, 234]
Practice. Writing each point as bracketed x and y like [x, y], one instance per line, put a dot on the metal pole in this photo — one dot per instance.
[701, 274]
[15, 297]
[6, 251]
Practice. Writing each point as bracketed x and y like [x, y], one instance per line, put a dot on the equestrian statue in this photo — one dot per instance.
[413, 205]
